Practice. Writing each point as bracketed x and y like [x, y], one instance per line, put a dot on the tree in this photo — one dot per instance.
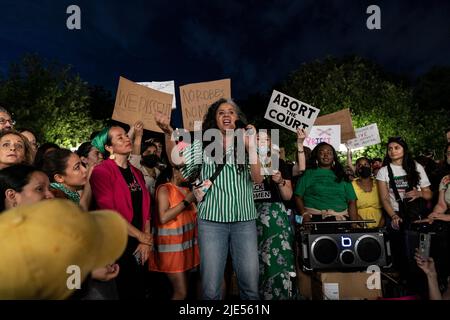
[49, 99]
[431, 113]
[372, 95]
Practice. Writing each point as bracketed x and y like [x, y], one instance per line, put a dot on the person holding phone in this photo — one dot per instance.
[227, 215]
[428, 267]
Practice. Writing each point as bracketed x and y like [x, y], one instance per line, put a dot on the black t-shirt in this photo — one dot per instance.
[268, 191]
[136, 196]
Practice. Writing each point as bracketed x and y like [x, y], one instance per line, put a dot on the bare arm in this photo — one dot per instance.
[138, 132]
[301, 136]
[383, 192]
[255, 164]
[441, 205]
[163, 122]
[427, 266]
[384, 197]
[165, 213]
[301, 208]
[284, 185]
[352, 211]
[440, 208]
[86, 195]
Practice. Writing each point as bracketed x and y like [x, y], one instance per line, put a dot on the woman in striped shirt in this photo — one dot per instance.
[227, 214]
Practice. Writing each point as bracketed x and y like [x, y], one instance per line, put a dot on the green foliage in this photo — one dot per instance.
[372, 96]
[48, 99]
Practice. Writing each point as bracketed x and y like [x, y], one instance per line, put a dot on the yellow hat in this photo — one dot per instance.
[39, 242]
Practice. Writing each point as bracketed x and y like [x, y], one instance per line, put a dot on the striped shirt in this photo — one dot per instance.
[230, 198]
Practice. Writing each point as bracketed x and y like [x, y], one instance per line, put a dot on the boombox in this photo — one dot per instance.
[355, 250]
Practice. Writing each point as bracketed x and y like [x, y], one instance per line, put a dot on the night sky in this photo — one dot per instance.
[255, 43]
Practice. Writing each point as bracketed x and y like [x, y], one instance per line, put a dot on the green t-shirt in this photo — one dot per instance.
[320, 191]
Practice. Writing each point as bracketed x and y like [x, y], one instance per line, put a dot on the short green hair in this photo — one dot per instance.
[100, 139]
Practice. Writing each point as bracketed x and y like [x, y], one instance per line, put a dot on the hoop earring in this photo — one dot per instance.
[112, 156]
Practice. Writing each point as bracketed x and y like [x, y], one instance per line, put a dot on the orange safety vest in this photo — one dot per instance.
[175, 247]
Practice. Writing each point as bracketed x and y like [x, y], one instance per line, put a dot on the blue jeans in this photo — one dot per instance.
[215, 240]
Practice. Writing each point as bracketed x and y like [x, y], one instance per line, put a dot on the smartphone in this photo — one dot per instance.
[424, 245]
[137, 256]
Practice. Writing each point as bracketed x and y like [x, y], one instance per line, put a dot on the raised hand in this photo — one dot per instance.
[163, 122]
[301, 136]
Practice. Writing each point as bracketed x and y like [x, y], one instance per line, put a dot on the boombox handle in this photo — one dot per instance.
[338, 222]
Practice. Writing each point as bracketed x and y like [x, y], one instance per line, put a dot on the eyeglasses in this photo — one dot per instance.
[4, 121]
[8, 145]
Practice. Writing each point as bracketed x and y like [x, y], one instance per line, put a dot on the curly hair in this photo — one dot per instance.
[337, 167]
[209, 121]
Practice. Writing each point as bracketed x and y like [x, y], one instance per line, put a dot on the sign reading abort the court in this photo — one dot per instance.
[290, 113]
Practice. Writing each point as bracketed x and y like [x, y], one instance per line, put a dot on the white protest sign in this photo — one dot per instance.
[163, 86]
[365, 136]
[290, 113]
[328, 134]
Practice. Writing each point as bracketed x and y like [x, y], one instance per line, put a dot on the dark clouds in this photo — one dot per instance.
[256, 43]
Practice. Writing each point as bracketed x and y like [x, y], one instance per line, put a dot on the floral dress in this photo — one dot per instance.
[275, 243]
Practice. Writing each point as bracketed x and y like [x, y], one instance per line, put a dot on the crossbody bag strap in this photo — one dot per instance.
[392, 184]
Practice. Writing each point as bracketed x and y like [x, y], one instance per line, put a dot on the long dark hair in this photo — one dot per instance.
[408, 163]
[209, 122]
[337, 167]
[14, 177]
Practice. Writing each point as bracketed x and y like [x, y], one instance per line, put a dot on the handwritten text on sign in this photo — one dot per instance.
[365, 136]
[328, 134]
[290, 113]
[196, 98]
[135, 102]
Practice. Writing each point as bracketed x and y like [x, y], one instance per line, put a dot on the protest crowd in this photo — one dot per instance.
[221, 217]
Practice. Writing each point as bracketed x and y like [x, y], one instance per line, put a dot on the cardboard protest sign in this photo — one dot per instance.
[163, 86]
[365, 136]
[342, 118]
[197, 97]
[135, 102]
[290, 113]
[328, 134]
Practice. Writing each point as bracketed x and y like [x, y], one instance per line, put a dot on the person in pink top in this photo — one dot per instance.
[119, 186]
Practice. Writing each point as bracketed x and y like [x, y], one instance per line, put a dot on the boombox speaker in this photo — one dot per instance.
[345, 250]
